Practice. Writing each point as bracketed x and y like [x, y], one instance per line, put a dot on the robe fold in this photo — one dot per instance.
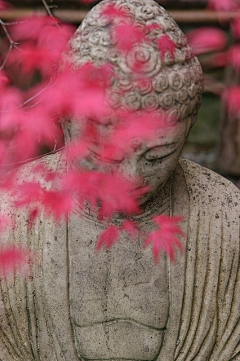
[204, 284]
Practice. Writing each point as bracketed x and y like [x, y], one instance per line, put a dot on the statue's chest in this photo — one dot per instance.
[118, 292]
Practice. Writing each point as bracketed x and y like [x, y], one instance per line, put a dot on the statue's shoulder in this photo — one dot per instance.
[33, 171]
[52, 162]
[210, 187]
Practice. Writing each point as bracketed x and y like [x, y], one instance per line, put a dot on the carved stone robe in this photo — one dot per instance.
[119, 305]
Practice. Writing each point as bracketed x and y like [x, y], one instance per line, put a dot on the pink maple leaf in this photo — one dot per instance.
[165, 44]
[43, 171]
[108, 238]
[231, 98]
[113, 193]
[27, 193]
[4, 5]
[13, 258]
[61, 35]
[222, 5]
[33, 214]
[5, 222]
[114, 12]
[130, 227]
[128, 35]
[28, 58]
[207, 39]
[233, 56]
[4, 81]
[57, 203]
[43, 128]
[10, 113]
[235, 25]
[154, 26]
[76, 150]
[219, 59]
[134, 126]
[165, 237]
[30, 28]
[85, 98]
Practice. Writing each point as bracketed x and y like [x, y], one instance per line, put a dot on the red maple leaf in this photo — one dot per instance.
[107, 193]
[233, 56]
[85, 98]
[128, 35]
[76, 150]
[28, 58]
[27, 193]
[4, 81]
[154, 26]
[165, 237]
[130, 227]
[5, 222]
[13, 258]
[113, 12]
[133, 126]
[43, 128]
[38, 51]
[108, 238]
[4, 5]
[207, 39]
[31, 27]
[33, 214]
[235, 25]
[222, 5]
[165, 44]
[231, 97]
[57, 203]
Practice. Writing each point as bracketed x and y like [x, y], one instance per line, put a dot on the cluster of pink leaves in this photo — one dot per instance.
[30, 119]
[214, 41]
[4, 5]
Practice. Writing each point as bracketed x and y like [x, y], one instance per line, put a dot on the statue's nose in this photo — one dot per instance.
[129, 167]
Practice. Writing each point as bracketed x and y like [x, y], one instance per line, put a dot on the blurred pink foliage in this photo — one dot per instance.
[207, 39]
[4, 5]
[14, 259]
[165, 237]
[223, 5]
[29, 121]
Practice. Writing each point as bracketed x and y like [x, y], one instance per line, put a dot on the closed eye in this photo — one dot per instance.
[158, 153]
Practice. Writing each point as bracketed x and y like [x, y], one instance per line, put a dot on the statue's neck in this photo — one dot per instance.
[159, 203]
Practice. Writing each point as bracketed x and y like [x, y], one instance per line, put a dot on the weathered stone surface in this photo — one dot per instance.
[118, 305]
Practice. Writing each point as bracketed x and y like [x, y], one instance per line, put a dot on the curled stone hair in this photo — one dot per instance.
[172, 82]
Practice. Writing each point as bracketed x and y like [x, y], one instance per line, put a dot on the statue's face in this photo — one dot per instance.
[154, 161]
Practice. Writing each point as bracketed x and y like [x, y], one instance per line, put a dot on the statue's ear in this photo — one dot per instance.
[190, 121]
[193, 119]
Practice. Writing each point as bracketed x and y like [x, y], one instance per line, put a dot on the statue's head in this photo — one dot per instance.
[155, 72]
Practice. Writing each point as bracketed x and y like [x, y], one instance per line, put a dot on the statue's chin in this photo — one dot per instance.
[148, 197]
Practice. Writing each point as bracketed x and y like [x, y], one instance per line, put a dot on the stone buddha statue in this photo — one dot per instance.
[117, 304]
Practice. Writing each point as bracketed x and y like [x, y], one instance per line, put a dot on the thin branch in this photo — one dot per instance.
[6, 57]
[12, 43]
[3, 25]
[47, 8]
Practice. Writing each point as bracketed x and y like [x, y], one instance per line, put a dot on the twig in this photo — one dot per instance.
[47, 8]
[12, 43]
[3, 25]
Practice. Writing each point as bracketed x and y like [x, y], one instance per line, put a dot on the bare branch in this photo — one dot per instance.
[48, 10]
